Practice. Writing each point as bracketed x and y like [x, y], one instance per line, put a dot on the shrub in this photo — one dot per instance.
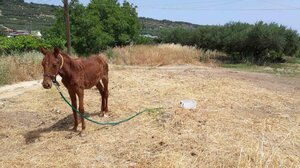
[21, 44]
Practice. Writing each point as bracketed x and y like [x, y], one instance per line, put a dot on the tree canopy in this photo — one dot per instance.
[258, 43]
[101, 24]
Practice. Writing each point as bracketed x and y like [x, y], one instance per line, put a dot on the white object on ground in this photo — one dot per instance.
[188, 104]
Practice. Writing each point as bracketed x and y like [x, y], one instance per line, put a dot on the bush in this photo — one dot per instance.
[144, 40]
[27, 43]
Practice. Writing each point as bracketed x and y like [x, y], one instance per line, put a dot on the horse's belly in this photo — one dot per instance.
[91, 81]
[92, 75]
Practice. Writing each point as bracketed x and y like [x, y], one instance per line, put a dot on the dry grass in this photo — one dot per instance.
[162, 54]
[24, 67]
[242, 119]
[238, 122]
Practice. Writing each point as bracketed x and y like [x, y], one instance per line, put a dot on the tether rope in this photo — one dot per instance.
[102, 123]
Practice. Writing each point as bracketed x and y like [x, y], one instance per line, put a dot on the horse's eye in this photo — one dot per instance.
[54, 65]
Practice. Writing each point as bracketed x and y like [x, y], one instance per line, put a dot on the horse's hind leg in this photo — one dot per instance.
[101, 90]
[105, 85]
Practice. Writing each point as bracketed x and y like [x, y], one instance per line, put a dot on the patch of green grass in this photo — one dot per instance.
[284, 69]
[237, 66]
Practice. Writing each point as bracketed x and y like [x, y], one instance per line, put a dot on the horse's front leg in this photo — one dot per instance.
[74, 104]
[80, 94]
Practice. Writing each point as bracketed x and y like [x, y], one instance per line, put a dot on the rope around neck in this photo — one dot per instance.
[103, 123]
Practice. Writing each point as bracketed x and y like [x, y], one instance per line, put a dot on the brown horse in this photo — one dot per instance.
[77, 75]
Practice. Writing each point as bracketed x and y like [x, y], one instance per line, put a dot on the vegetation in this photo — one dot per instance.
[107, 23]
[284, 69]
[260, 43]
[20, 67]
[102, 24]
[15, 67]
[21, 44]
[158, 55]
[17, 14]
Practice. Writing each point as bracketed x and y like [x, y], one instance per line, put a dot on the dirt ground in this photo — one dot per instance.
[242, 119]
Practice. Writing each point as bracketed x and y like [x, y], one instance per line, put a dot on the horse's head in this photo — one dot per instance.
[52, 63]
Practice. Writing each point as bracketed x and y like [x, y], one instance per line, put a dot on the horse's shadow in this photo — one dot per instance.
[61, 125]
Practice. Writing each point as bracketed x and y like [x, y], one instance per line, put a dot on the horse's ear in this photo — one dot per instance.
[56, 51]
[43, 50]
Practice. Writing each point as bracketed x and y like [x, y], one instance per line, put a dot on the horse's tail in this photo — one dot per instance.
[106, 67]
[103, 62]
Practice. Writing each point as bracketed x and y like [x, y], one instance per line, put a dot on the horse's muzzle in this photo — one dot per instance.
[47, 85]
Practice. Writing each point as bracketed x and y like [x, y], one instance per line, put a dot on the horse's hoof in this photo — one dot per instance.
[101, 115]
[74, 129]
[82, 134]
[106, 115]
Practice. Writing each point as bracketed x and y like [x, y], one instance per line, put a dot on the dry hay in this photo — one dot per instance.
[20, 67]
[162, 54]
[237, 123]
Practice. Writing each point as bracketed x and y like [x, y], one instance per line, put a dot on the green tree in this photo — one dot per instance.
[259, 43]
[292, 42]
[265, 42]
[102, 24]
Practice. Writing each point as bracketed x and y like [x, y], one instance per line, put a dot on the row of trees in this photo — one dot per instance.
[257, 43]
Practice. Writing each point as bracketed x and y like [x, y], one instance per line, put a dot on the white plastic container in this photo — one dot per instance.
[188, 104]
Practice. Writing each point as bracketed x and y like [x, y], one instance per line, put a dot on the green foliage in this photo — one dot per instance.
[18, 14]
[260, 43]
[27, 43]
[177, 35]
[284, 69]
[102, 24]
[144, 40]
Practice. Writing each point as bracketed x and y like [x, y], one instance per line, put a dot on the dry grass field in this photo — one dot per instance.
[162, 54]
[242, 119]
[27, 66]
[20, 67]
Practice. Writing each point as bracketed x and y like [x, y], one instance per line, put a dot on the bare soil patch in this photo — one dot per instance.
[242, 120]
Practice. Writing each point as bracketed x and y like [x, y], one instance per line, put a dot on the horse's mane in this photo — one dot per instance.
[75, 63]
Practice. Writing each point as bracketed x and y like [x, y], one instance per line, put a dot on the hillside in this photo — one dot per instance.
[153, 26]
[17, 14]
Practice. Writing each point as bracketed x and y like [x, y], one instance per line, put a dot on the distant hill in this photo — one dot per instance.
[17, 14]
[153, 26]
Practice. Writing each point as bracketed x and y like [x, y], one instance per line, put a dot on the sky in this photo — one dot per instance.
[215, 12]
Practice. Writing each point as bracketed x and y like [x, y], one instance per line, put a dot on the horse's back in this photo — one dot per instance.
[101, 62]
[95, 64]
